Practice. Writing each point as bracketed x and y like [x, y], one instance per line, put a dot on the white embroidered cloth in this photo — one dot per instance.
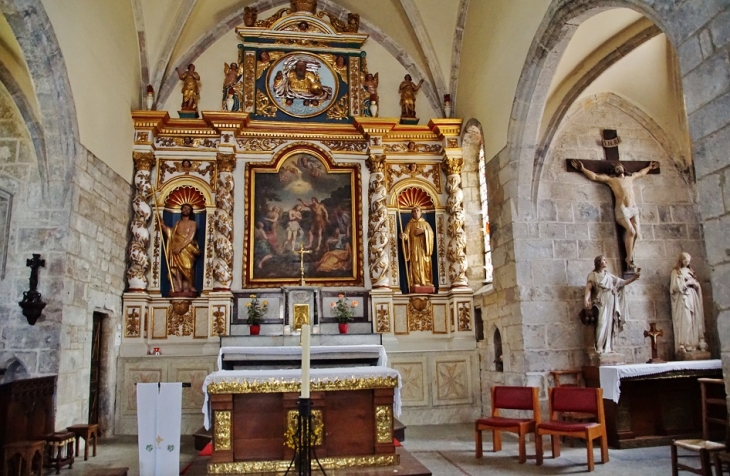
[295, 376]
[297, 351]
[611, 375]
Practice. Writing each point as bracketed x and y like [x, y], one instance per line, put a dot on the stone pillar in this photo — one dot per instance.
[139, 262]
[378, 232]
[455, 229]
[222, 269]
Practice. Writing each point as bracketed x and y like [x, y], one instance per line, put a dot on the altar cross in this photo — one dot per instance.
[654, 334]
[301, 254]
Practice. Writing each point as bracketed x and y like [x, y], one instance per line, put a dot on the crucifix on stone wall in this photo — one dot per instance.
[619, 175]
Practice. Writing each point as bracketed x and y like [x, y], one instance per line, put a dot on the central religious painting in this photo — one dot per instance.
[303, 213]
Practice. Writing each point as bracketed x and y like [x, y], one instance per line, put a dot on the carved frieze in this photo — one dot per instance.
[394, 173]
[292, 425]
[133, 320]
[464, 311]
[188, 141]
[204, 169]
[179, 318]
[219, 321]
[256, 144]
[249, 88]
[441, 249]
[264, 106]
[340, 110]
[345, 145]
[382, 318]
[420, 314]
[413, 148]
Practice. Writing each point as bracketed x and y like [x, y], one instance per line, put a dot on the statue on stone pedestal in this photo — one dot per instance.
[190, 88]
[627, 212]
[688, 316]
[606, 292]
[408, 90]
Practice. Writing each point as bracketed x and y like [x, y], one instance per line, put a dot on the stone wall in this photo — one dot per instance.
[576, 222]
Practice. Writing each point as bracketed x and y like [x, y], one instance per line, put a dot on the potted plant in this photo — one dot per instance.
[343, 311]
[256, 311]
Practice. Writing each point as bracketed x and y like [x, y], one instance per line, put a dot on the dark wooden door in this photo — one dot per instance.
[95, 374]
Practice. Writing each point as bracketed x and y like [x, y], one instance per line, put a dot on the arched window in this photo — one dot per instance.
[498, 355]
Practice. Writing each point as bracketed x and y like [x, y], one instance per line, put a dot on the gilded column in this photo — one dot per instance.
[455, 229]
[223, 267]
[378, 234]
[139, 262]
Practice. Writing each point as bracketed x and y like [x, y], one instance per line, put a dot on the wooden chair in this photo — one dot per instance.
[714, 411]
[571, 378]
[574, 399]
[509, 398]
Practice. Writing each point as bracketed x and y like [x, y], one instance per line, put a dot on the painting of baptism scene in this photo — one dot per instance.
[364, 238]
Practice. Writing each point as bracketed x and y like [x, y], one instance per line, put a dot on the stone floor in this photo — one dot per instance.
[447, 450]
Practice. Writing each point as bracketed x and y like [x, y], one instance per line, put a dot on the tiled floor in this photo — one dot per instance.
[447, 450]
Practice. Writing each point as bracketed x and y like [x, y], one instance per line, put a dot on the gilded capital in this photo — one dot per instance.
[452, 165]
[375, 163]
[143, 160]
[226, 162]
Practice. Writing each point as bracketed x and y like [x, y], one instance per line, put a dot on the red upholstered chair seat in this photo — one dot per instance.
[509, 398]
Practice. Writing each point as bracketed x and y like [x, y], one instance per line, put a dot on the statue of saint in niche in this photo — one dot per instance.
[182, 251]
[418, 240]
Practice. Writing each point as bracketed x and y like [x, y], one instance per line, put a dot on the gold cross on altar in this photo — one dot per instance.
[301, 254]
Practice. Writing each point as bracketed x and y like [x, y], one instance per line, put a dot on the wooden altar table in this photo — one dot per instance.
[651, 404]
[253, 416]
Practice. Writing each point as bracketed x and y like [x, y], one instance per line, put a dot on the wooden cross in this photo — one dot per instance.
[301, 254]
[35, 263]
[610, 143]
[654, 334]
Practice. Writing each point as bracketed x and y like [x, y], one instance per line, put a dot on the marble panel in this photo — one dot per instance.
[159, 322]
[201, 322]
[400, 318]
[414, 390]
[440, 323]
[452, 385]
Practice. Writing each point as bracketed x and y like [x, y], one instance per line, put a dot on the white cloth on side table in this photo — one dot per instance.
[159, 411]
[611, 375]
[295, 376]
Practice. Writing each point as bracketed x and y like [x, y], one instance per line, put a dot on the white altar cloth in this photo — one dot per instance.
[297, 351]
[611, 375]
[295, 376]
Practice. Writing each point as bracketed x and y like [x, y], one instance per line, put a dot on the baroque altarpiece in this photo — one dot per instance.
[295, 186]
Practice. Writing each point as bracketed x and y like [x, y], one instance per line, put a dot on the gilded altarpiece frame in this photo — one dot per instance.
[302, 202]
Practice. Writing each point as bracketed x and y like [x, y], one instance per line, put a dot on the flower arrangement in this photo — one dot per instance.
[256, 310]
[343, 309]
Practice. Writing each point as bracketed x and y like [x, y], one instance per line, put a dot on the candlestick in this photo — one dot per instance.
[305, 361]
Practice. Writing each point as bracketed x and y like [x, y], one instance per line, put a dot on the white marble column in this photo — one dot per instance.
[455, 228]
[378, 233]
[223, 266]
[139, 262]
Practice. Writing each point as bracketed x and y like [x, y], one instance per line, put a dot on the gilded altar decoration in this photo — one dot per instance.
[338, 63]
[292, 424]
[301, 315]
[256, 144]
[378, 233]
[264, 106]
[156, 257]
[452, 143]
[276, 385]
[464, 311]
[190, 89]
[345, 145]
[167, 169]
[139, 262]
[219, 321]
[420, 314]
[338, 111]
[408, 90]
[249, 85]
[281, 466]
[187, 141]
[455, 228]
[382, 318]
[272, 19]
[355, 87]
[142, 138]
[384, 424]
[302, 84]
[412, 147]
[442, 248]
[249, 16]
[223, 219]
[351, 26]
[265, 59]
[393, 249]
[209, 255]
[180, 318]
[132, 327]
[222, 426]
[394, 173]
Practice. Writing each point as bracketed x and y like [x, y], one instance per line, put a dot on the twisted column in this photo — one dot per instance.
[378, 233]
[455, 228]
[223, 220]
[139, 262]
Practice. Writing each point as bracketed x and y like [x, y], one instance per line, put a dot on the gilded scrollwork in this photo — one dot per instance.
[222, 435]
[277, 385]
[180, 318]
[219, 321]
[139, 262]
[209, 255]
[393, 249]
[352, 25]
[249, 81]
[412, 147]
[264, 105]
[168, 169]
[384, 423]
[272, 19]
[382, 318]
[455, 228]
[255, 144]
[464, 311]
[133, 319]
[339, 110]
[156, 257]
[396, 172]
[292, 424]
[345, 145]
[441, 252]
[187, 141]
[378, 233]
[281, 466]
[420, 314]
[223, 218]
[452, 143]
[355, 88]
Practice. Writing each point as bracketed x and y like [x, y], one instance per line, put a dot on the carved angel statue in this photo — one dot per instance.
[232, 75]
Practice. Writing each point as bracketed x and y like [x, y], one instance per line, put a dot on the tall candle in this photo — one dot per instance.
[305, 361]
